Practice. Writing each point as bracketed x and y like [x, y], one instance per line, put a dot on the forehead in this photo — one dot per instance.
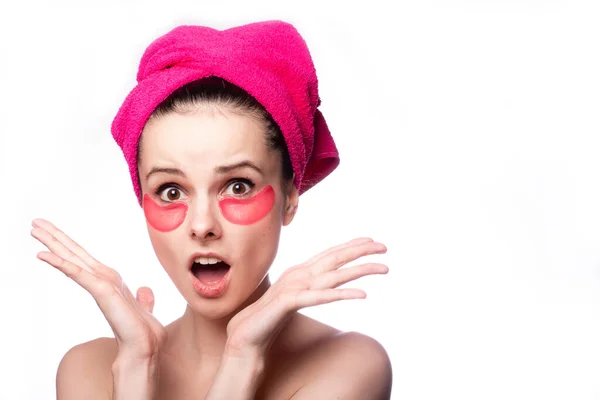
[212, 136]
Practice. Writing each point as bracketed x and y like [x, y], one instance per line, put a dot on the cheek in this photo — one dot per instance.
[164, 218]
[248, 211]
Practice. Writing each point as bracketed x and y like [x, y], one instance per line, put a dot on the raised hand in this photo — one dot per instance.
[309, 284]
[138, 334]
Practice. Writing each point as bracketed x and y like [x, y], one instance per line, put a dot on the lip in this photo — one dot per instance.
[214, 290]
[209, 291]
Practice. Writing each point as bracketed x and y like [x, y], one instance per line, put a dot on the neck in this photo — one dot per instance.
[194, 336]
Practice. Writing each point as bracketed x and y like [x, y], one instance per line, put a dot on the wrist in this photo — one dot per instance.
[249, 359]
[134, 378]
[125, 363]
[242, 351]
[246, 370]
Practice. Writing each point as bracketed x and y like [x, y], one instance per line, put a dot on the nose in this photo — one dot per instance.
[204, 220]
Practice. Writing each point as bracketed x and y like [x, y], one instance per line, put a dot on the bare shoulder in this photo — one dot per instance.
[85, 370]
[348, 365]
[329, 362]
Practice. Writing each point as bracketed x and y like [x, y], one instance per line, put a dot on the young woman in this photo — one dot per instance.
[222, 135]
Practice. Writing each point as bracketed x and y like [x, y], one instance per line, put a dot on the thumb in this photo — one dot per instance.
[145, 298]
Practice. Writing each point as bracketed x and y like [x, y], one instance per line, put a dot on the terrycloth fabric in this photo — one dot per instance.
[269, 60]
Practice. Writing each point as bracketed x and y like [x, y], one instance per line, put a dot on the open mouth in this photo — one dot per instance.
[210, 274]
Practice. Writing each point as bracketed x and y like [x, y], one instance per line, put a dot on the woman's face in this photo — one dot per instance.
[211, 184]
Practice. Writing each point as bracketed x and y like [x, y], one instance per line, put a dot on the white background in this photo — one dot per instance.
[469, 140]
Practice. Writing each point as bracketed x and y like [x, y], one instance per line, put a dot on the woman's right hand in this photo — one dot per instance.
[139, 335]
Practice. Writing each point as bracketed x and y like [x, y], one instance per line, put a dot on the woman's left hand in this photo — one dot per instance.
[314, 282]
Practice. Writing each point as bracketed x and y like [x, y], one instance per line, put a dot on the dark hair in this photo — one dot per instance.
[219, 92]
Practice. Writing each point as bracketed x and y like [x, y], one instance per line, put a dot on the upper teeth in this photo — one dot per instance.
[206, 260]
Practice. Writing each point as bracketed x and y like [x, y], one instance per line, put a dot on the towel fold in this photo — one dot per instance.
[269, 60]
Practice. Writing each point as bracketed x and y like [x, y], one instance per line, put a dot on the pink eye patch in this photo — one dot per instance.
[248, 211]
[164, 218]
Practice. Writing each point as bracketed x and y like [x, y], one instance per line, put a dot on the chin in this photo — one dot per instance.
[212, 310]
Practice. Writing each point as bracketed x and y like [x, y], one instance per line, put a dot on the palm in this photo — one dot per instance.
[130, 318]
[309, 284]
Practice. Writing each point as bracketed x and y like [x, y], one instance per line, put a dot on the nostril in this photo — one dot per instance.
[206, 235]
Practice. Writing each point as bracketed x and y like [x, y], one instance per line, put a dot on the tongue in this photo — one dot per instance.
[211, 274]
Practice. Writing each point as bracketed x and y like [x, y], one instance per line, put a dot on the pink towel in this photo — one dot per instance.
[269, 60]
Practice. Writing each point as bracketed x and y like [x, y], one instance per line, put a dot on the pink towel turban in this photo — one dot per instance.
[269, 60]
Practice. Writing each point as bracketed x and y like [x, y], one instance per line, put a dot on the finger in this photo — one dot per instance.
[55, 240]
[69, 243]
[333, 279]
[336, 248]
[309, 298]
[116, 309]
[145, 299]
[83, 277]
[345, 255]
[57, 247]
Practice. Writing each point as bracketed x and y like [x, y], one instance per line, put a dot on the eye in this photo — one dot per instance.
[239, 187]
[169, 193]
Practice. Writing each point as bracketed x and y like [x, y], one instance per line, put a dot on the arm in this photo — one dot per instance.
[252, 330]
[134, 378]
[94, 370]
[238, 377]
[90, 371]
[138, 335]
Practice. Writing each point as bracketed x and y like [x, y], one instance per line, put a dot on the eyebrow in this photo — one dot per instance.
[172, 171]
[222, 169]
